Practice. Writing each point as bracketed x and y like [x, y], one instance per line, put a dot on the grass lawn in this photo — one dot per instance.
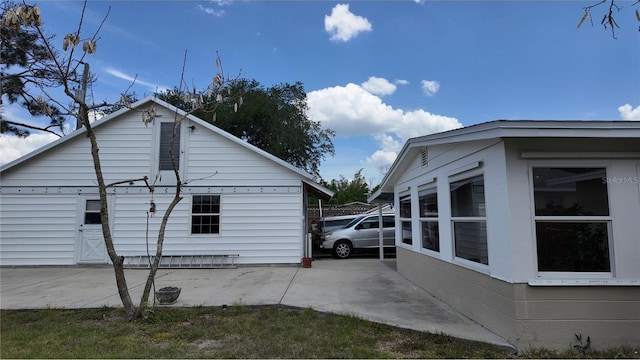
[237, 332]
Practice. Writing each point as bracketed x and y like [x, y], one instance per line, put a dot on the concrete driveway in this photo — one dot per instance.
[364, 287]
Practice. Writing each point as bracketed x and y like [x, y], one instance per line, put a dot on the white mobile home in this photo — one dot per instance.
[239, 200]
[530, 228]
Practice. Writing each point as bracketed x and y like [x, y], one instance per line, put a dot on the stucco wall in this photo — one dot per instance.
[530, 317]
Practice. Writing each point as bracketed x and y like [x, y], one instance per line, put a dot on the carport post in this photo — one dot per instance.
[380, 231]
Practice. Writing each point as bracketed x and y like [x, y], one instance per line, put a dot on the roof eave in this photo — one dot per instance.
[509, 129]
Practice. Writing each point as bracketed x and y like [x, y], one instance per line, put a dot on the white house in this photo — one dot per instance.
[239, 200]
[530, 228]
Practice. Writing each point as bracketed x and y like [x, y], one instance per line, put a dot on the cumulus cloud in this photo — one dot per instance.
[430, 87]
[389, 148]
[402, 82]
[343, 25]
[379, 86]
[13, 147]
[627, 112]
[421, 122]
[351, 110]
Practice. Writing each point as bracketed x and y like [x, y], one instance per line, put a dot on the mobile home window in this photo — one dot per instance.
[205, 214]
[572, 219]
[428, 200]
[469, 219]
[405, 219]
[166, 136]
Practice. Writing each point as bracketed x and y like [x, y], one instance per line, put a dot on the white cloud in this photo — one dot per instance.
[389, 148]
[627, 112]
[13, 147]
[121, 75]
[343, 25]
[421, 122]
[211, 11]
[402, 82]
[430, 87]
[352, 111]
[379, 86]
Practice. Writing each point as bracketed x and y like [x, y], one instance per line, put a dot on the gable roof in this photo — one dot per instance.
[504, 129]
[308, 179]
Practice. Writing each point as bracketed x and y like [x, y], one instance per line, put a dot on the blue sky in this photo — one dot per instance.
[376, 72]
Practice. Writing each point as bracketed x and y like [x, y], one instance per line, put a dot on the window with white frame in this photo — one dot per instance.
[92, 213]
[428, 200]
[169, 143]
[405, 219]
[572, 219]
[205, 214]
[469, 219]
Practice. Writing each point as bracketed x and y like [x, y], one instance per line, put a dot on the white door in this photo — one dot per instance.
[91, 248]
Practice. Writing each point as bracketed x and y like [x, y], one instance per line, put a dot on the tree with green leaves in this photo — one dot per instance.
[348, 191]
[272, 118]
[26, 64]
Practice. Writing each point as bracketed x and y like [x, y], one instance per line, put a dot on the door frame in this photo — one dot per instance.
[81, 208]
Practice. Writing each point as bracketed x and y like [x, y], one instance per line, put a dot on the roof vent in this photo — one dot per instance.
[424, 156]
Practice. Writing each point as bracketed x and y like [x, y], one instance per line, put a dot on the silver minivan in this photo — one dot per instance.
[361, 233]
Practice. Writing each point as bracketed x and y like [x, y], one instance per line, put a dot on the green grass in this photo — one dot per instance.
[237, 332]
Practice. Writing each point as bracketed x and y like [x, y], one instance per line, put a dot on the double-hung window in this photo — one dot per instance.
[428, 199]
[405, 219]
[573, 223]
[205, 214]
[469, 219]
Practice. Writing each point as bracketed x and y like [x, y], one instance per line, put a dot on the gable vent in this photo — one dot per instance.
[424, 156]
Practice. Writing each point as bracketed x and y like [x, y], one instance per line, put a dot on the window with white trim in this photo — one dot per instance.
[205, 214]
[572, 219]
[428, 200]
[92, 213]
[405, 219]
[469, 219]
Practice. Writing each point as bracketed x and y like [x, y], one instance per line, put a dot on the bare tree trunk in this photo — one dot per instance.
[121, 281]
[157, 258]
[165, 220]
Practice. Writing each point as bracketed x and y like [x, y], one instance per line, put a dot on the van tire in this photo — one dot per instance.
[342, 249]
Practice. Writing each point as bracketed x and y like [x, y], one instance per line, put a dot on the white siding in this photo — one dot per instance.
[208, 153]
[262, 228]
[124, 153]
[444, 162]
[38, 230]
[262, 216]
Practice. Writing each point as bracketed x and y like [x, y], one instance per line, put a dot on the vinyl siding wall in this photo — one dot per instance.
[262, 213]
[37, 230]
[260, 228]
